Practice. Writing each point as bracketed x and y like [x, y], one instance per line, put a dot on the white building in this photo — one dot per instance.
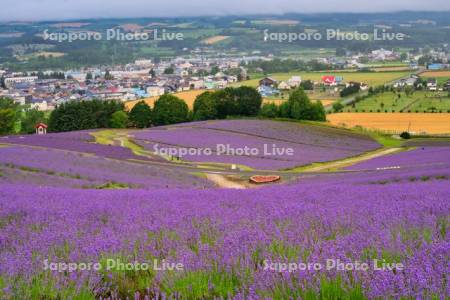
[13, 80]
[197, 84]
[41, 105]
[143, 63]
[155, 91]
[294, 81]
[284, 86]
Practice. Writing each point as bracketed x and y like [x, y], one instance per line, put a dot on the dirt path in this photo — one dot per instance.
[352, 161]
[223, 182]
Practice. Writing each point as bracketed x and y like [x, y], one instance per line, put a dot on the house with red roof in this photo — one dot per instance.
[329, 80]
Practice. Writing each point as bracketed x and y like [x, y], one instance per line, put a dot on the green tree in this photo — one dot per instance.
[405, 135]
[296, 111]
[205, 107]
[301, 108]
[108, 75]
[169, 70]
[284, 110]
[119, 119]
[307, 85]
[269, 110]
[248, 101]
[215, 70]
[226, 102]
[30, 119]
[80, 115]
[170, 109]
[141, 115]
[299, 105]
[351, 89]
[364, 59]
[337, 106]
[9, 114]
[317, 112]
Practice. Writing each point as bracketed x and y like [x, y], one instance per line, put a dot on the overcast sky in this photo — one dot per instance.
[24, 10]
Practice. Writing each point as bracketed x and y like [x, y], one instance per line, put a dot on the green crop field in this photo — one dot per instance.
[371, 78]
[420, 101]
[441, 80]
[432, 105]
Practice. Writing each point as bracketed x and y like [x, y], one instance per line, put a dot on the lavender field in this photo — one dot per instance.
[87, 170]
[227, 239]
[367, 232]
[310, 144]
[426, 156]
[79, 141]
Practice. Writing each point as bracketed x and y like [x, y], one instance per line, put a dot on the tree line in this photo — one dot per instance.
[168, 109]
[80, 115]
[297, 107]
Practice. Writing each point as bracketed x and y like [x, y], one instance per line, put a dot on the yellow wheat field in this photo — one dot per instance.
[395, 122]
[436, 74]
[215, 39]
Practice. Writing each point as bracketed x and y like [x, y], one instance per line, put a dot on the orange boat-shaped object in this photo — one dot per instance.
[260, 179]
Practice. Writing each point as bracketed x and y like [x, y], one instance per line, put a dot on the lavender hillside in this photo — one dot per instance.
[428, 156]
[78, 224]
[318, 136]
[80, 141]
[88, 170]
[229, 242]
[309, 143]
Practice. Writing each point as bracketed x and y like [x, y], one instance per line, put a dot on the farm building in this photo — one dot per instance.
[329, 80]
[294, 81]
[154, 91]
[436, 67]
[406, 82]
[267, 91]
[432, 84]
[284, 86]
[268, 81]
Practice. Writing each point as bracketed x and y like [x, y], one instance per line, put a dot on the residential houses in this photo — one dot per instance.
[383, 55]
[268, 91]
[268, 82]
[128, 82]
[404, 82]
[10, 81]
[432, 84]
[329, 80]
[294, 81]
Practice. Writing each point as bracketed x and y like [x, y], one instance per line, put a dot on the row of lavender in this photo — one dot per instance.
[79, 141]
[234, 243]
[317, 136]
[267, 141]
[421, 156]
[65, 168]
